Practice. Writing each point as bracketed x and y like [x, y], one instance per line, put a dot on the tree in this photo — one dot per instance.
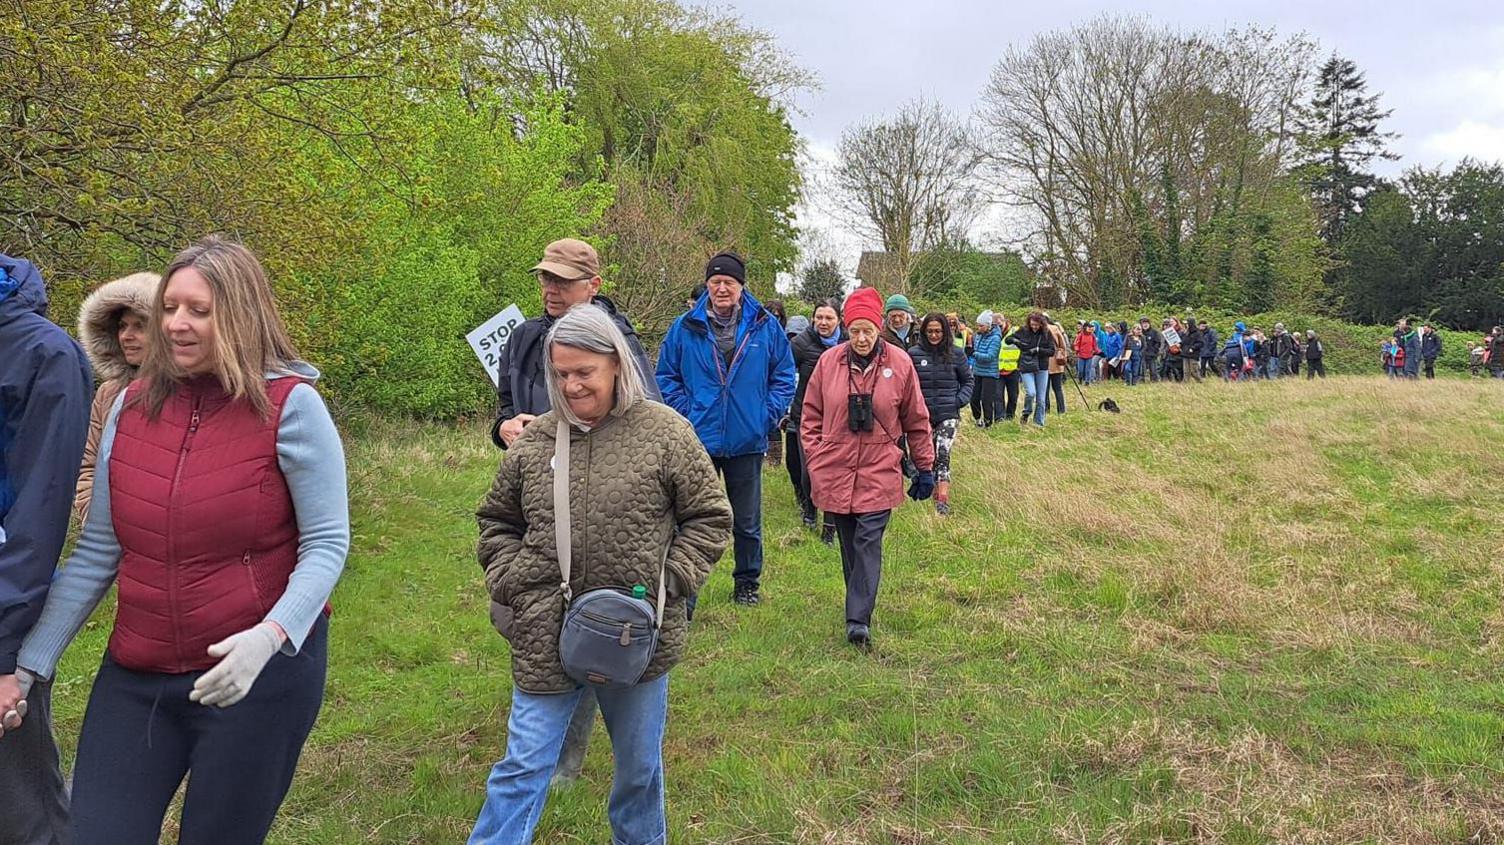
[1340, 138]
[908, 183]
[821, 279]
[958, 269]
[1120, 142]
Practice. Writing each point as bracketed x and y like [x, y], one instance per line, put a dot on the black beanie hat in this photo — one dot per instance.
[726, 264]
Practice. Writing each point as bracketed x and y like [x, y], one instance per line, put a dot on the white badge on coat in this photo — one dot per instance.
[887, 372]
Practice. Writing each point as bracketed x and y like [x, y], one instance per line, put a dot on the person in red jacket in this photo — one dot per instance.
[219, 505]
[1085, 344]
[862, 397]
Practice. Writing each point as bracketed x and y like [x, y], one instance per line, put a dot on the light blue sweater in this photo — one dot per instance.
[312, 459]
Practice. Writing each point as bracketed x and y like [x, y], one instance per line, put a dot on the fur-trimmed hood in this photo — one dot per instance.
[99, 318]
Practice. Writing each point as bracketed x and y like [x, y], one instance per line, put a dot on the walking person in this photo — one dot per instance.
[1496, 352]
[726, 366]
[1085, 347]
[569, 274]
[1297, 353]
[1131, 360]
[1210, 345]
[644, 508]
[899, 326]
[1315, 366]
[1191, 340]
[112, 328]
[1173, 335]
[1153, 350]
[1235, 360]
[1111, 344]
[989, 344]
[863, 396]
[1057, 362]
[1430, 349]
[824, 333]
[1036, 346]
[945, 380]
[44, 420]
[1409, 354]
[220, 504]
[1007, 370]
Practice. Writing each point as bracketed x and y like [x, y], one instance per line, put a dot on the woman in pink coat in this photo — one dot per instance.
[862, 397]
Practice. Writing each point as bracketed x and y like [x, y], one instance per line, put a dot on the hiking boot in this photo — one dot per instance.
[828, 535]
[858, 635]
[745, 594]
[942, 508]
[809, 515]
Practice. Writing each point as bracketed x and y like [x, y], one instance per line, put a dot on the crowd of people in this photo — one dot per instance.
[211, 487]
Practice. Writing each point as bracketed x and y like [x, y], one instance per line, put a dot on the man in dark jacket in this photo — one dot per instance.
[1154, 347]
[569, 274]
[1430, 349]
[1315, 366]
[1279, 351]
[727, 367]
[1211, 344]
[45, 388]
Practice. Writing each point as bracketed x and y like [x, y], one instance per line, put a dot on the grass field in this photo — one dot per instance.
[1233, 613]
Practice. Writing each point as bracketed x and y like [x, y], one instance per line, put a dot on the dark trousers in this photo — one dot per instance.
[33, 801]
[861, 561]
[1057, 387]
[793, 458]
[141, 735]
[1430, 368]
[1315, 368]
[1007, 399]
[1174, 369]
[743, 477]
[985, 397]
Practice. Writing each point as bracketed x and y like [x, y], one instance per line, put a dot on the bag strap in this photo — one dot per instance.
[563, 529]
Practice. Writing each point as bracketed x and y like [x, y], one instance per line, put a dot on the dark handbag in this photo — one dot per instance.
[609, 636]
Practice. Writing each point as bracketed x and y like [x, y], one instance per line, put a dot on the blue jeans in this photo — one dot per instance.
[518, 786]
[1272, 368]
[1037, 386]
[743, 477]
[1084, 370]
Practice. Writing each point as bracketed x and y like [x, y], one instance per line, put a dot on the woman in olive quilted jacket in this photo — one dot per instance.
[638, 479]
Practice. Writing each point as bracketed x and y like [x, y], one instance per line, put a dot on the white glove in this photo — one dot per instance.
[10, 720]
[245, 655]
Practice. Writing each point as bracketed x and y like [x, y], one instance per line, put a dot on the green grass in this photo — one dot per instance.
[1233, 613]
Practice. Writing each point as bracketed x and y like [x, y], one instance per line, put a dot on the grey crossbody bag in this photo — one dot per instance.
[609, 636]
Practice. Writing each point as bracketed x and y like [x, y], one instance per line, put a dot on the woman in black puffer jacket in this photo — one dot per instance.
[825, 332]
[946, 382]
[1036, 346]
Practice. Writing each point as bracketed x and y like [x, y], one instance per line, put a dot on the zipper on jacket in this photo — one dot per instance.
[245, 560]
[172, 563]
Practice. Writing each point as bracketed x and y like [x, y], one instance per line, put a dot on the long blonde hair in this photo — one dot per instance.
[249, 337]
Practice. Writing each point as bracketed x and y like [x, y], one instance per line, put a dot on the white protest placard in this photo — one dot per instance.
[1172, 337]
[490, 337]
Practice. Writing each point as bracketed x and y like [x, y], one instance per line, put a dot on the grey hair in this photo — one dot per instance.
[589, 327]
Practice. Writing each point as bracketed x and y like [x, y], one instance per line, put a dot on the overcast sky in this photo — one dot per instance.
[1439, 65]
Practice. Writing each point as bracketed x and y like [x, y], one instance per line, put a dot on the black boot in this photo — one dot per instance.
[858, 634]
[828, 534]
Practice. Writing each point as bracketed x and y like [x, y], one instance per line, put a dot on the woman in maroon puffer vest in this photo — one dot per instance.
[219, 505]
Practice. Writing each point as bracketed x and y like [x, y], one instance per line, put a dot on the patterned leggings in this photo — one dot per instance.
[945, 438]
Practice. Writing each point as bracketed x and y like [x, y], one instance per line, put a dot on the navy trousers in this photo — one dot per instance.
[141, 736]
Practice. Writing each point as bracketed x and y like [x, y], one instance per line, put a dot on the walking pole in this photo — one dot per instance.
[1077, 382]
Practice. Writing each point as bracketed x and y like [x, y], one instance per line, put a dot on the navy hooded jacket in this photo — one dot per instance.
[732, 407]
[45, 390]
